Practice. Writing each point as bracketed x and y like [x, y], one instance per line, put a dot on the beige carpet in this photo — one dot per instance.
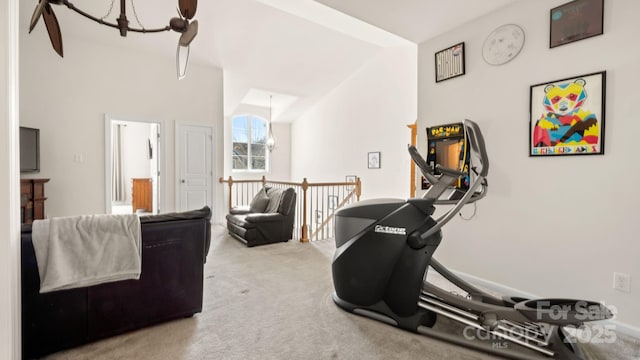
[274, 302]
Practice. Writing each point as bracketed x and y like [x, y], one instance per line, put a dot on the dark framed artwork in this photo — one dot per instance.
[567, 116]
[450, 62]
[575, 20]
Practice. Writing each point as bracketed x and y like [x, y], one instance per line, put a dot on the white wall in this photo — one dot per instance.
[280, 160]
[9, 195]
[368, 112]
[549, 226]
[67, 99]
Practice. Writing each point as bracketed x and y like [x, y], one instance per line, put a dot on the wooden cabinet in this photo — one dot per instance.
[32, 200]
[142, 195]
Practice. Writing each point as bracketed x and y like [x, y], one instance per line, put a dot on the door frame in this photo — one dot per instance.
[176, 149]
[162, 180]
[10, 272]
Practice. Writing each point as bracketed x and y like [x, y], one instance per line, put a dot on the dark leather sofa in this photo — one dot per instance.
[268, 219]
[174, 250]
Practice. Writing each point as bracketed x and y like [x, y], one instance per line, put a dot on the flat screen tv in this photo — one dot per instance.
[29, 150]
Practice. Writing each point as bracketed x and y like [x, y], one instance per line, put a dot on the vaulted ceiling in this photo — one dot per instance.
[297, 50]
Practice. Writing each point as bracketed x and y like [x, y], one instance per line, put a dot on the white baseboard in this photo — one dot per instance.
[507, 290]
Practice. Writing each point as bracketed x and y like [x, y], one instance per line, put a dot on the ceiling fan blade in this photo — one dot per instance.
[187, 37]
[36, 14]
[182, 60]
[53, 28]
[188, 8]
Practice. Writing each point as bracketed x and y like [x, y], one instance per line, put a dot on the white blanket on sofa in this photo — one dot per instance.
[87, 250]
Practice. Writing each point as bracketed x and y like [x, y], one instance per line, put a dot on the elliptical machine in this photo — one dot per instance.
[383, 249]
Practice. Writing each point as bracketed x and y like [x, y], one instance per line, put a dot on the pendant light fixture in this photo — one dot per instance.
[271, 140]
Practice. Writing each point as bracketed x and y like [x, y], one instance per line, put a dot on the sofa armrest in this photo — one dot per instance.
[239, 210]
[264, 218]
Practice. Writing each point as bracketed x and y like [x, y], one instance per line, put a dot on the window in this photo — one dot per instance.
[249, 134]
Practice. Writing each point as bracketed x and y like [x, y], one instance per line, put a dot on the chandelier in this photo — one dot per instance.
[271, 140]
[181, 24]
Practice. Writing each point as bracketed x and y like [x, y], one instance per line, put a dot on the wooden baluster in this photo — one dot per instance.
[305, 186]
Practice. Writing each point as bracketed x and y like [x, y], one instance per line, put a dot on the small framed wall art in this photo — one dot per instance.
[567, 116]
[575, 20]
[374, 160]
[351, 179]
[450, 62]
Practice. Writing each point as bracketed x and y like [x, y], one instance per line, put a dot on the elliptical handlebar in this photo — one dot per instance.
[422, 165]
[477, 145]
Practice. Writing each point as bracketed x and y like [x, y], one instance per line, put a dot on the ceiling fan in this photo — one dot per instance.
[181, 24]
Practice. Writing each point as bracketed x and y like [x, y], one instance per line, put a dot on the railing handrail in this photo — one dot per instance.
[356, 191]
[263, 180]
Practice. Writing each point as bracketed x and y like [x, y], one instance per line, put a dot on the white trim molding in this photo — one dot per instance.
[10, 329]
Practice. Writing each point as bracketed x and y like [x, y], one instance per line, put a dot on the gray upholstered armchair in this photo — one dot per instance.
[268, 219]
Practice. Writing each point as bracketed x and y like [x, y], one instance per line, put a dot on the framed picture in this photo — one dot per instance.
[374, 160]
[424, 184]
[350, 179]
[319, 217]
[575, 20]
[450, 62]
[567, 116]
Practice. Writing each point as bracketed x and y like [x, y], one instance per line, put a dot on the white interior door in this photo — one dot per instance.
[194, 188]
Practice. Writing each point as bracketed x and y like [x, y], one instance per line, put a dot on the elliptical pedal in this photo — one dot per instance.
[478, 327]
[507, 329]
[430, 299]
[538, 338]
[537, 333]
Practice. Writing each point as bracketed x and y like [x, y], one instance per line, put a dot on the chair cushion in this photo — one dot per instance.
[274, 200]
[239, 221]
[259, 202]
[287, 202]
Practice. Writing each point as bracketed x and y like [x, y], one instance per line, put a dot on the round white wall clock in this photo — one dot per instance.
[503, 44]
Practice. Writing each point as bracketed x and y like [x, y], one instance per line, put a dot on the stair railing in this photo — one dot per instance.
[316, 203]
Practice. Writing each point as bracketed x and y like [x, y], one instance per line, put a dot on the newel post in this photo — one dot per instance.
[264, 181]
[305, 185]
[358, 188]
[230, 191]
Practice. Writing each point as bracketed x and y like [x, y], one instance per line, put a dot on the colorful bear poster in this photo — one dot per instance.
[567, 116]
